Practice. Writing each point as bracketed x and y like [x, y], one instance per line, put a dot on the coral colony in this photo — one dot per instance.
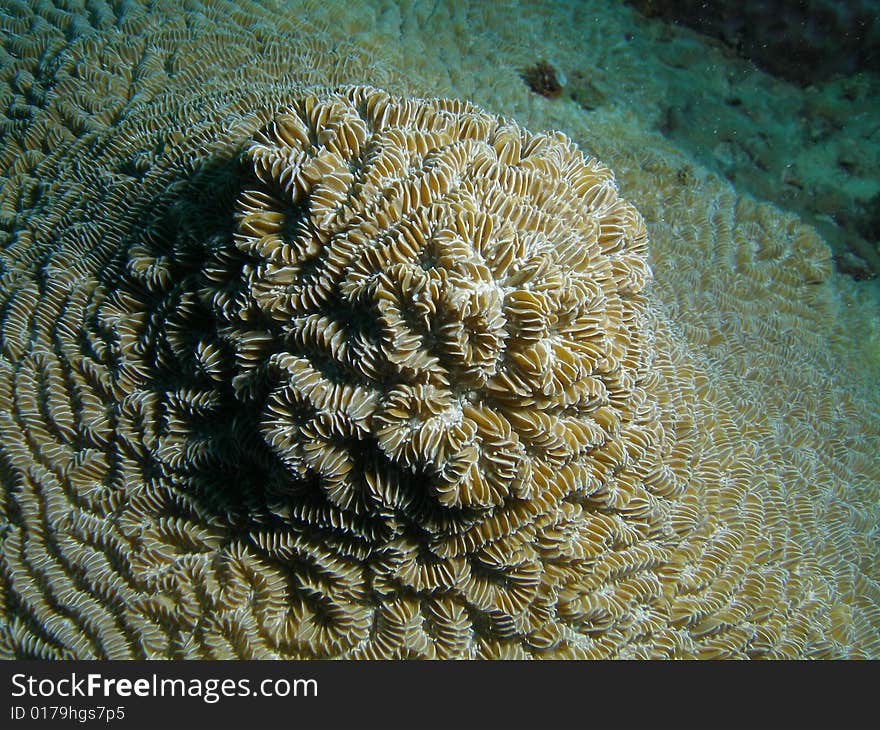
[295, 366]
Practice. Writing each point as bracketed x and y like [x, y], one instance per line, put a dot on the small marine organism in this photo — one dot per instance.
[543, 79]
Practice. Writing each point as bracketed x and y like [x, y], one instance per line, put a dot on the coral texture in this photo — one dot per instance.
[297, 368]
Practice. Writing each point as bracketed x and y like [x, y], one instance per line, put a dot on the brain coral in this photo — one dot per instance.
[297, 368]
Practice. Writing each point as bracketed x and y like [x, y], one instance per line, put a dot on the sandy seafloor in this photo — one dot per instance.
[699, 141]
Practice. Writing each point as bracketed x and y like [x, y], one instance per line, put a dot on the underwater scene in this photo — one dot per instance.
[439, 329]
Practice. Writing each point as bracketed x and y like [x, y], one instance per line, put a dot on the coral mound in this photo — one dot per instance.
[442, 303]
[426, 322]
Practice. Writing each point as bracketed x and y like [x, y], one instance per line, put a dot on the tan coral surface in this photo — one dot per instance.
[295, 367]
